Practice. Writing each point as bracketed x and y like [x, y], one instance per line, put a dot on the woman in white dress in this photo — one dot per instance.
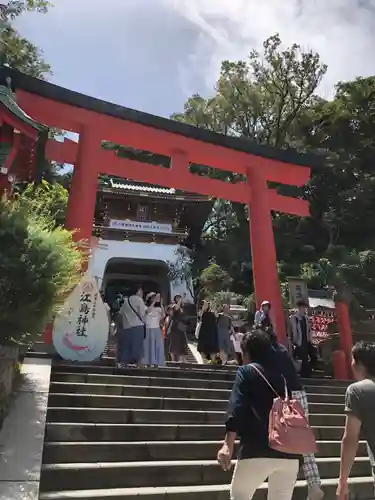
[154, 344]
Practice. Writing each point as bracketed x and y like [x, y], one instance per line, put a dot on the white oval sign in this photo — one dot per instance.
[80, 330]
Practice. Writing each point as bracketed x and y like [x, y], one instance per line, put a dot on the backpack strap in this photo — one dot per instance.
[286, 397]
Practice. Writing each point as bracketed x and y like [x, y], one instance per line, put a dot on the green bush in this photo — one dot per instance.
[39, 264]
[215, 279]
[45, 200]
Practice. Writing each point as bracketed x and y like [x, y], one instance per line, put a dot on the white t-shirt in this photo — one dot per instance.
[236, 339]
[153, 317]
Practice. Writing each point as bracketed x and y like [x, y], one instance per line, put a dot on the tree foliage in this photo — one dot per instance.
[272, 98]
[215, 279]
[46, 200]
[260, 98]
[18, 52]
[39, 265]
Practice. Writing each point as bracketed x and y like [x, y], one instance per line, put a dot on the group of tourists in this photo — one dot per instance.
[147, 333]
[217, 337]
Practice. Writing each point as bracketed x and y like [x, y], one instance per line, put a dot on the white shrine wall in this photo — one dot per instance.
[112, 249]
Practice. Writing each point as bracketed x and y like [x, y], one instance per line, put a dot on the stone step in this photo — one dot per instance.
[112, 451]
[153, 434]
[142, 416]
[155, 474]
[361, 489]
[88, 431]
[136, 390]
[193, 372]
[133, 400]
[183, 384]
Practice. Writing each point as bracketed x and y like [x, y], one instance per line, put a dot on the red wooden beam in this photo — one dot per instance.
[108, 162]
[62, 152]
[13, 153]
[158, 141]
[287, 204]
[186, 181]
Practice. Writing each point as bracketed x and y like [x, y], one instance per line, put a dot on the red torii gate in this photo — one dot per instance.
[95, 120]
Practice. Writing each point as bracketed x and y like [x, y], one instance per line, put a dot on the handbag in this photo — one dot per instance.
[138, 316]
[288, 428]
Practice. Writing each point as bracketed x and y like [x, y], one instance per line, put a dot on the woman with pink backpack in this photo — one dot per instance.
[259, 407]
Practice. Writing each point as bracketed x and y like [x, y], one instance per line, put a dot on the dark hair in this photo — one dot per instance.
[364, 354]
[257, 345]
[302, 303]
[133, 290]
[176, 297]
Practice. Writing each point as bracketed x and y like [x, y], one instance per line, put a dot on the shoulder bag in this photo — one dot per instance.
[138, 316]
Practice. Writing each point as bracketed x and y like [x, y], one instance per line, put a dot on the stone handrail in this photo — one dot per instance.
[8, 362]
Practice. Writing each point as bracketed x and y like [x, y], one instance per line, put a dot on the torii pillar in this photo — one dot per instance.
[82, 195]
[262, 241]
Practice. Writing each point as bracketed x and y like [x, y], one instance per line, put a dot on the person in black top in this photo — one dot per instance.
[208, 343]
[283, 360]
[249, 407]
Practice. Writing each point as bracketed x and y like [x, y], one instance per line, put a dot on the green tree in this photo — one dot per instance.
[18, 52]
[263, 98]
[181, 270]
[46, 200]
[39, 265]
[271, 98]
[215, 279]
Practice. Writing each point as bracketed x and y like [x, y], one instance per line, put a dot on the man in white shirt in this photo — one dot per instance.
[130, 338]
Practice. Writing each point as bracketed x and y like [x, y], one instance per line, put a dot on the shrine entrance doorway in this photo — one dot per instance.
[179, 147]
[121, 274]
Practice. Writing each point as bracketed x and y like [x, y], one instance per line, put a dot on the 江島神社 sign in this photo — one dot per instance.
[143, 226]
[80, 330]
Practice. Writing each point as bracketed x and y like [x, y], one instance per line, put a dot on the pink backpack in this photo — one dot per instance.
[288, 428]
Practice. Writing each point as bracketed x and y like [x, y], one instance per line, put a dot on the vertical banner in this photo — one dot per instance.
[297, 291]
[80, 330]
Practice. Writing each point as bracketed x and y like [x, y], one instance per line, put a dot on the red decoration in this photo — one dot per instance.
[319, 327]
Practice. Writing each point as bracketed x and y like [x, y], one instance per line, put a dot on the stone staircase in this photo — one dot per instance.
[153, 434]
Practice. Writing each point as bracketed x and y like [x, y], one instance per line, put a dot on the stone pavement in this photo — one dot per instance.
[22, 434]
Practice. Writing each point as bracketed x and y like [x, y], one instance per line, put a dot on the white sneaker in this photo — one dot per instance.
[315, 492]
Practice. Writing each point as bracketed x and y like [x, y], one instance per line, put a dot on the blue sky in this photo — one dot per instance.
[152, 54]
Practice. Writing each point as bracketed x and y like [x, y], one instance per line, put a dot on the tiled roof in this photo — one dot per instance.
[137, 187]
[326, 303]
[321, 298]
[7, 99]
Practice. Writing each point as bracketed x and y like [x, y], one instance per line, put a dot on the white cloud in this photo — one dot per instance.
[341, 31]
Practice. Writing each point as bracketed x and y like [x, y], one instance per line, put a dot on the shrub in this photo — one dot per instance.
[39, 265]
[215, 279]
[45, 200]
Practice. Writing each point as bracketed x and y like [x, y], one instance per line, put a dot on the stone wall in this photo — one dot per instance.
[8, 371]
